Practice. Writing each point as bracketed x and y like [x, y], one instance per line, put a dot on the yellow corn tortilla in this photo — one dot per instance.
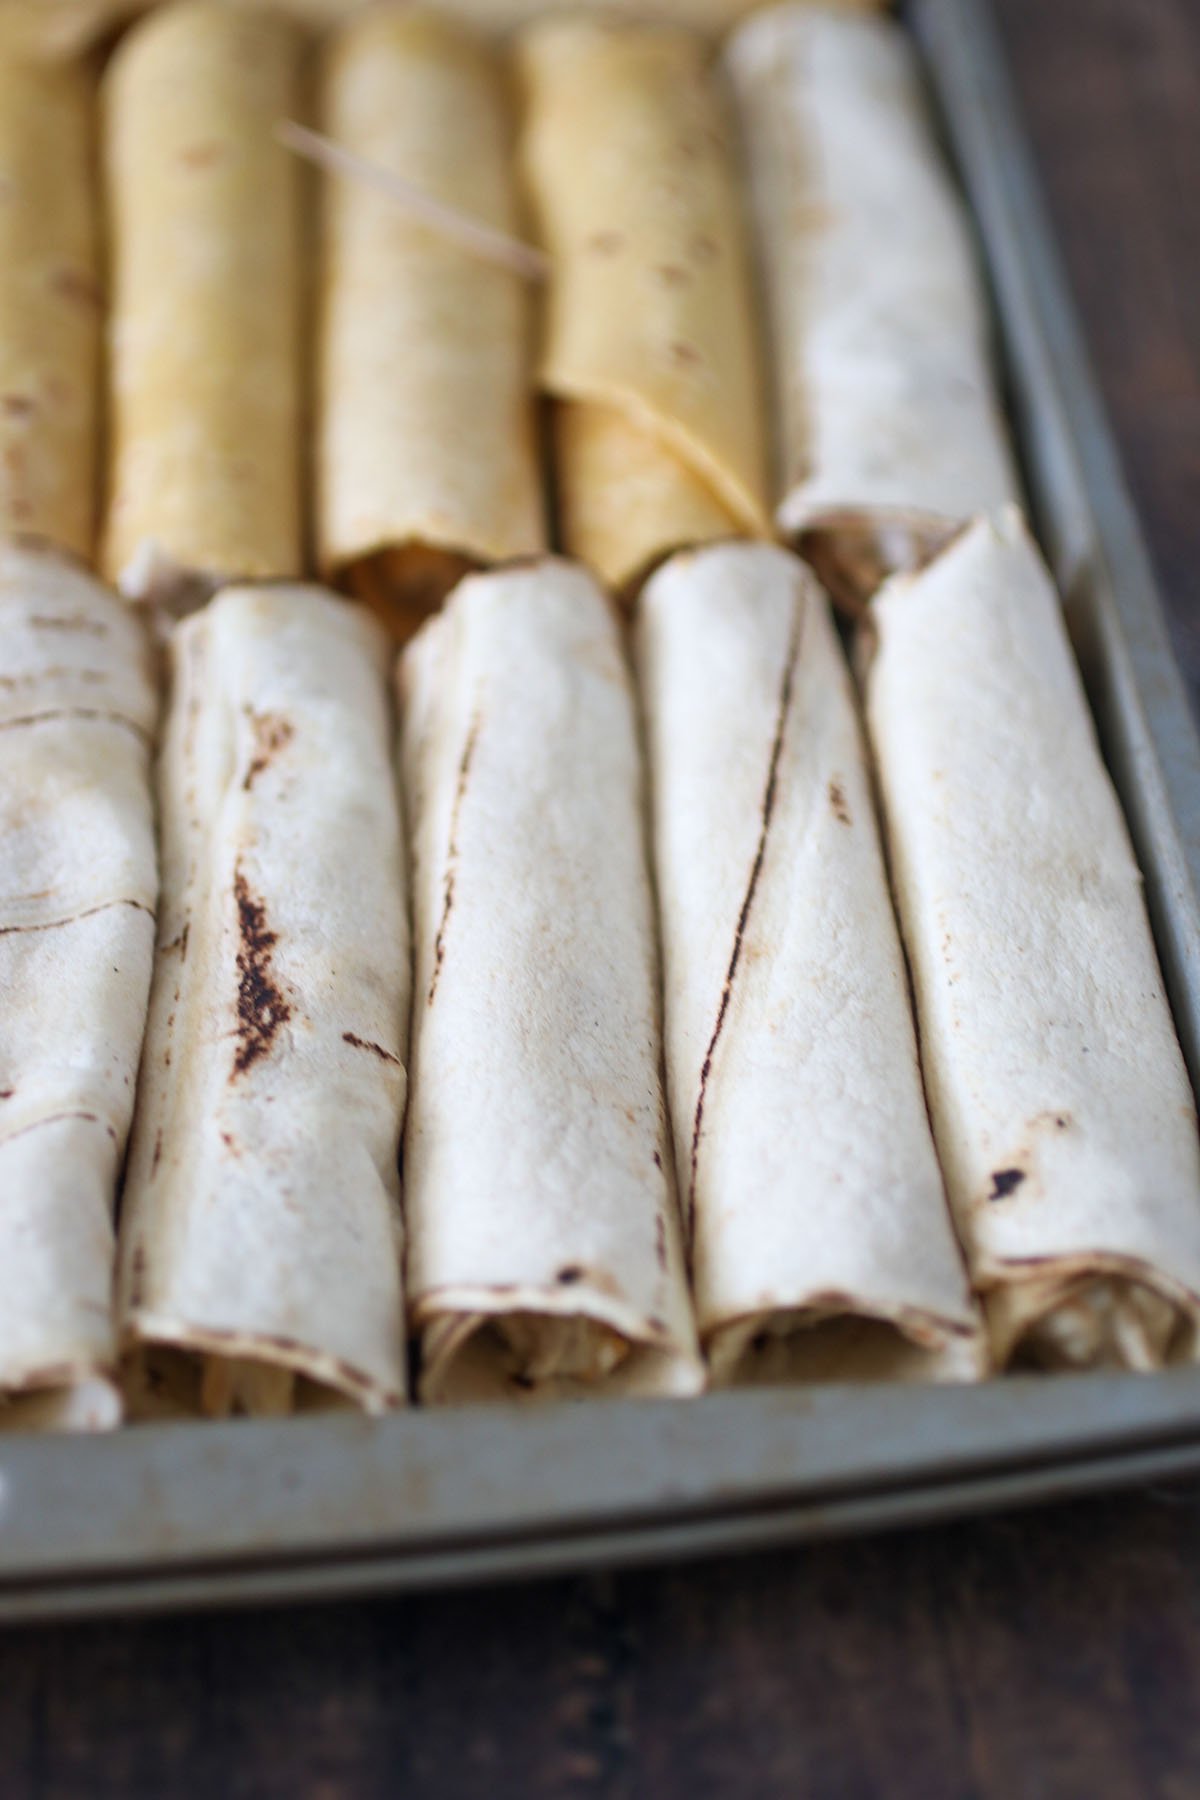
[425, 446]
[50, 305]
[649, 314]
[204, 205]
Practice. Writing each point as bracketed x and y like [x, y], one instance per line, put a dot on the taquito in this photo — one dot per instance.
[821, 1244]
[50, 305]
[425, 458]
[260, 1237]
[544, 1244]
[649, 348]
[891, 433]
[1060, 1102]
[78, 709]
[204, 209]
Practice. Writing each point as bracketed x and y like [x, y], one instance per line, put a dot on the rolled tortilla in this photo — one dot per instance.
[1060, 1102]
[260, 1238]
[204, 205]
[544, 1247]
[50, 305]
[78, 887]
[822, 1248]
[649, 348]
[426, 459]
[891, 431]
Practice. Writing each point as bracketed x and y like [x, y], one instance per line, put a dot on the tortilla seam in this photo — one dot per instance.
[768, 808]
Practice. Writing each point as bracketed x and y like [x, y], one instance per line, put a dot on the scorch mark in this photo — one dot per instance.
[439, 942]
[261, 1008]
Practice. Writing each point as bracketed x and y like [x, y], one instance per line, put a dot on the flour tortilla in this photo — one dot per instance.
[260, 1238]
[822, 1247]
[78, 888]
[50, 306]
[649, 317]
[426, 458]
[206, 392]
[891, 430]
[544, 1254]
[1060, 1102]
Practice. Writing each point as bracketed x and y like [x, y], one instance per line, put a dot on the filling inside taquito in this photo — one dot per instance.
[1060, 1101]
[649, 349]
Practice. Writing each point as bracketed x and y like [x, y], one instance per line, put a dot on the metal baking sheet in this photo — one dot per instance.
[171, 1515]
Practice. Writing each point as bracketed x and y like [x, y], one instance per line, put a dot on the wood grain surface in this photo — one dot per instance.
[1034, 1655]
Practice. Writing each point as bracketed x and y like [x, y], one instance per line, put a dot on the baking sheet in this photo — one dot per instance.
[249, 1511]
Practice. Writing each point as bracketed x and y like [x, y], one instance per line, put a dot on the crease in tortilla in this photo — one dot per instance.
[426, 457]
[821, 1243]
[650, 316]
[890, 428]
[545, 1254]
[78, 892]
[51, 305]
[261, 1222]
[1062, 1110]
[206, 370]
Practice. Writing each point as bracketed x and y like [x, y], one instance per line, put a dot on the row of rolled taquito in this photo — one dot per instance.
[348, 388]
[556, 1182]
[648, 1046]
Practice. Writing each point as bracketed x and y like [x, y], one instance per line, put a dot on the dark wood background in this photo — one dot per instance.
[1039, 1654]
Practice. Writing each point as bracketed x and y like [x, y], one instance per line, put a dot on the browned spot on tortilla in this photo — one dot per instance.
[837, 799]
[137, 1274]
[17, 406]
[201, 156]
[673, 274]
[704, 248]
[231, 1143]
[378, 1050]
[271, 733]
[606, 243]
[158, 1150]
[572, 1272]
[660, 1239]
[261, 1008]
[76, 712]
[768, 808]
[657, 1160]
[1005, 1182]
[686, 355]
[76, 285]
[439, 942]
[7, 1093]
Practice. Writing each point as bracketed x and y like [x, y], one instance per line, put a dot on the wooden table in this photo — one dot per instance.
[1043, 1654]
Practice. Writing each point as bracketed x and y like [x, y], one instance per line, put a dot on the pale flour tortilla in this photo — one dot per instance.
[50, 306]
[891, 432]
[544, 1246]
[260, 1234]
[426, 461]
[205, 402]
[822, 1247]
[78, 889]
[650, 319]
[1061, 1107]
